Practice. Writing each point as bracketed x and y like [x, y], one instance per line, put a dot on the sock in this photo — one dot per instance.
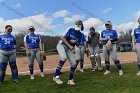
[107, 64]
[59, 66]
[81, 64]
[41, 67]
[72, 70]
[118, 64]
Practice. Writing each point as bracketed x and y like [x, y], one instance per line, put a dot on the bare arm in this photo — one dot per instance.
[40, 46]
[85, 45]
[133, 41]
[26, 45]
[103, 39]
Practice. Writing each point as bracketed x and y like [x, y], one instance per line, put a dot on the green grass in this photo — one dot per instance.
[87, 82]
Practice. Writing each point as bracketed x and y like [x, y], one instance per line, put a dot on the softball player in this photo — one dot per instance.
[93, 46]
[33, 47]
[79, 51]
[66, 49]
[136, 44]
[110, 36]
[8, 54]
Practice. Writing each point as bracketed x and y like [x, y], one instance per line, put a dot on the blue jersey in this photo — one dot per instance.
[111, 34]
[136, 34]
[32, 40]
[7, 42]
[72, 34]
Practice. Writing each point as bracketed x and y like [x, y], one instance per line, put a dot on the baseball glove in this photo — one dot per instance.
[43, 56]
[108, 45]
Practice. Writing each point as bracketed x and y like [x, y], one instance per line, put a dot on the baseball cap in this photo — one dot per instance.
[108, 23]
[31, 27]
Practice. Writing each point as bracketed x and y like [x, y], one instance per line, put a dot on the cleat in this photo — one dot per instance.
[57, 80]
[107, 72]
[42, 74]
[81, 70]
[120, 72]
[138, 73]
[16, 80]
[100, 68]
[92, 70]
[32, 77]
[71, 82]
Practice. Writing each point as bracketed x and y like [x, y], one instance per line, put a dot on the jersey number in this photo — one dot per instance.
[7, 42]
[33, 40]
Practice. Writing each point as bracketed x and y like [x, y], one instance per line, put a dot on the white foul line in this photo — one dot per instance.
[27, 72]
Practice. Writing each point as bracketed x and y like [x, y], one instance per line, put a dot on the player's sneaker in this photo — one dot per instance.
[92, 69]
[16, 80]
[120, 72]
[107, 72]
[100, 68]
[57, 80]
[81, 70]
[138, 73]
[42, 74]
[71, 82]
[32, 77]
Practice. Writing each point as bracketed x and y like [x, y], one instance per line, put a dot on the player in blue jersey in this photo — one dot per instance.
[136, 44]
[79, 50]
[109, 37]
[33, 47]
[65, 47]
[8, 54]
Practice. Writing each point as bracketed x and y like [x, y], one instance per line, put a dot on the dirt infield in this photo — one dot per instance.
[51, 62]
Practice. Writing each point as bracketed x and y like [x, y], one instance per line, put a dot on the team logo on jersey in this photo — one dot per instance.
[7, 40]
[137, 31]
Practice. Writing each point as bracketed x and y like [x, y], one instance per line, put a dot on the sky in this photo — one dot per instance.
[53, 17]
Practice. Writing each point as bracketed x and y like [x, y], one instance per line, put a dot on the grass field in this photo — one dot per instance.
[87, 82]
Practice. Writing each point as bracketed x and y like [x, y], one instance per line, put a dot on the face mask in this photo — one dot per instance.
[78, 27]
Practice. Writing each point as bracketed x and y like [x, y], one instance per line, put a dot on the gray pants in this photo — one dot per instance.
[95, 56]
[65, 53]
[79, 54]
[138, 52]
[112, 52]
[35, 53]
[5, 58]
